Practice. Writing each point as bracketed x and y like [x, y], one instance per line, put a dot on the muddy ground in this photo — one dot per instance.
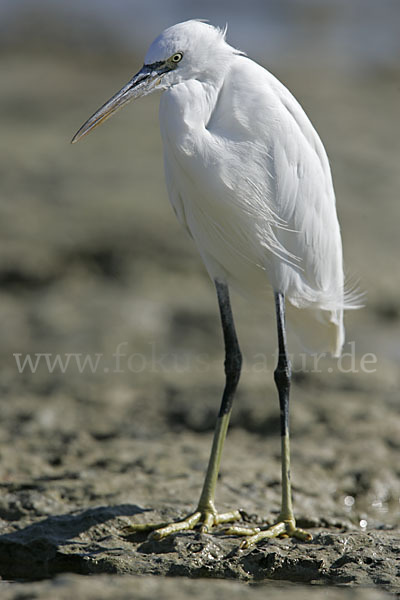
[92, 260]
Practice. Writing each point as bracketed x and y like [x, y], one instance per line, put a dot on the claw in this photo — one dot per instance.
[281, 529]
[207, 523]
[206, 518]
[189, 523]
[238, 530]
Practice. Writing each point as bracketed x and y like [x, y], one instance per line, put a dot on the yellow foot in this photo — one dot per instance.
[205, 519]
[283, 528]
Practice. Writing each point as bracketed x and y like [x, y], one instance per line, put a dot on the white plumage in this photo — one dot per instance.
[249, 179]
[247, 175]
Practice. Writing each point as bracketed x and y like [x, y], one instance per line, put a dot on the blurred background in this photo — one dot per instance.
[91, 256]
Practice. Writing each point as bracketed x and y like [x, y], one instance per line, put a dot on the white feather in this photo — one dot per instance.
[249, 179]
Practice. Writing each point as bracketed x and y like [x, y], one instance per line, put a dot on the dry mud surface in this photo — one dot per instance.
[91, 258]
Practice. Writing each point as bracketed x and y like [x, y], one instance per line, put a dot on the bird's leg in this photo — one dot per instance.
[206, 514]
[286, 524]
[233, 364]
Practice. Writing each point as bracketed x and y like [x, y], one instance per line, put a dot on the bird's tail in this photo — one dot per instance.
[318, 330]
[319, 324]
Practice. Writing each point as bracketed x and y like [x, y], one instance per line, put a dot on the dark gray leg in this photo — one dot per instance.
[286, 524]
[282, 377]
[206, 514]
[233, 355]
[233, 364]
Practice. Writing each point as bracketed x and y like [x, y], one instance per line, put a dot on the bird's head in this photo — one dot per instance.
[189, 50]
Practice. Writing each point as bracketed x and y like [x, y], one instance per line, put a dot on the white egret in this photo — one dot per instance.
[249, 179]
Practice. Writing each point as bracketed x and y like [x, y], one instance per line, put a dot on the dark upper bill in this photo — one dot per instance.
[141, 84]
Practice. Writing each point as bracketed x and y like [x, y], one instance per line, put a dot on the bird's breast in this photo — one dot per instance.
[185, 111]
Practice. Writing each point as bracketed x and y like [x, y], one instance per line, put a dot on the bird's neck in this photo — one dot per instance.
[197, 100]
[185, 112]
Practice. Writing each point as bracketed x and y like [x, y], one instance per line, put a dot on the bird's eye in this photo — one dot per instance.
[175, 58]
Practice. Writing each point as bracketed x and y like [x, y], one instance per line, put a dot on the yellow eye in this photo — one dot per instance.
[175, 58]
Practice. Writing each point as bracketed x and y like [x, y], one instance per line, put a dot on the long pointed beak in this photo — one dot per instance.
[141, 84]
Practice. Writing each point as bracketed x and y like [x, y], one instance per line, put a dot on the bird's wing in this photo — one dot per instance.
[287, 160]
[172, 188]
